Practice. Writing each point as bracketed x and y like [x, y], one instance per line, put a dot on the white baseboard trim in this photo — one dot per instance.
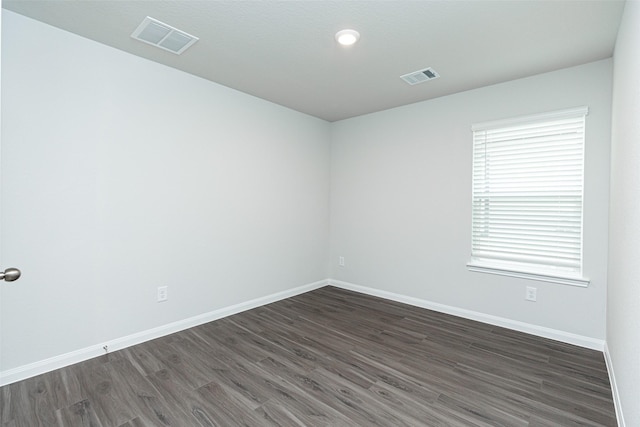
[541, 331]
[614, 387]
[32, 369]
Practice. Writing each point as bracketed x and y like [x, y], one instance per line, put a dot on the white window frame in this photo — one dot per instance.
[490, 246]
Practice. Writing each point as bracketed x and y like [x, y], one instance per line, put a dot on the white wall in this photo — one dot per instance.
[120, 175]
[623, 311]
[401, 201]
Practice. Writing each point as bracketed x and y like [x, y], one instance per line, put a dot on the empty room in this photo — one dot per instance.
[320, 213]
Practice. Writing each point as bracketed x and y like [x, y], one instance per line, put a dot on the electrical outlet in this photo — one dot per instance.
[530, 293]
[162, 293]
[341, 261]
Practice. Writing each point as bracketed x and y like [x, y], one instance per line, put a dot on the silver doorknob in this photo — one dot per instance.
[10, 274]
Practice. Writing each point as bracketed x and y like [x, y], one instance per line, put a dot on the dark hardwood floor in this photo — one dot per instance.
[325, 358]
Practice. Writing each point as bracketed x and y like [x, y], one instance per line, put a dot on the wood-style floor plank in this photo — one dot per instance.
[325, 358]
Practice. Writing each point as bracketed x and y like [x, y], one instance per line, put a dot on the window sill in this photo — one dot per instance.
[572, 281]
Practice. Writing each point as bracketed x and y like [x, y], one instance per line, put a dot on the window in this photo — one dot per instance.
[528, 197]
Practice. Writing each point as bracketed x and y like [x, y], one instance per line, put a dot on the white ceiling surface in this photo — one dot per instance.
[285, 52]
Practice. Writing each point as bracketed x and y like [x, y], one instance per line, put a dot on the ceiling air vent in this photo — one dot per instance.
[164, 36]
[420, 76]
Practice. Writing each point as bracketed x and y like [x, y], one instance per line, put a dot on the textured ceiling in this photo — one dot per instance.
[284, 51]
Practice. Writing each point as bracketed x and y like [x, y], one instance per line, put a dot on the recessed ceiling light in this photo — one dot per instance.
[347, 37]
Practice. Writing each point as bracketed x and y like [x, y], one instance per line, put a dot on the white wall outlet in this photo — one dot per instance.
[341, 261]
[530, 293]
[162, 293]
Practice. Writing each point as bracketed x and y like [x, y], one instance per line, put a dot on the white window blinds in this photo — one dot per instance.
[527, 194]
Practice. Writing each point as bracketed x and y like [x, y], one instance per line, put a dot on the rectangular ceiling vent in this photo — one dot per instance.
[420, 76]
[164, 36]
